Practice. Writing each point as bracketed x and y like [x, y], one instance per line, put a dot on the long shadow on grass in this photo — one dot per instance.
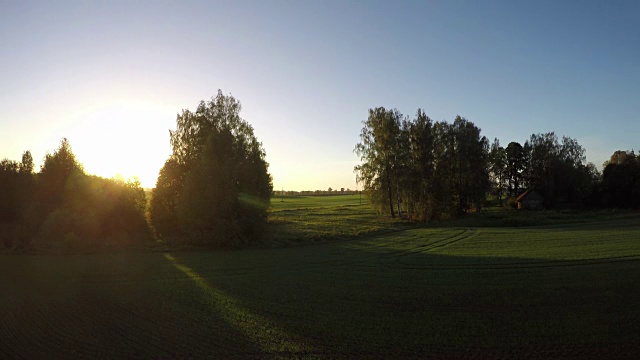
[258, 329]
[109, 306]
[403, 300]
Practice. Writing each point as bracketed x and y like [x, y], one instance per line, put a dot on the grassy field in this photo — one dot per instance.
[304, 220]
[393, 290]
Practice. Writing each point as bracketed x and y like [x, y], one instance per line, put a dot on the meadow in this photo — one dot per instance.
[344, 283]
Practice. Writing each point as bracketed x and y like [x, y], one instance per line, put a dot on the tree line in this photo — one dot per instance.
[61, 207]
[423, 169]
[213, 190]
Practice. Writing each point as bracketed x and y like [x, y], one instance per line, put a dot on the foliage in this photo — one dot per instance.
[16, 195]
[378, 152]
[430, 170]
[621, 180]
[498, 169]
[515, 165]
[63, 208]
[215, 188]
[557, 169]
[162, 207]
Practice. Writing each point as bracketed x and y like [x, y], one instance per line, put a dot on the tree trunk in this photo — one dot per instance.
[398, 199]
[393, 215]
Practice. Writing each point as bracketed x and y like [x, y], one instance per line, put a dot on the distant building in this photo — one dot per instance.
[530, 200]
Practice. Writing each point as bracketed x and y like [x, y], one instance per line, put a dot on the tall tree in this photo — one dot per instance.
[421, 155]
[54, 175]
[377, 150]
[498, 167]
[515, 161]
[215, 188]
[471, 162]
[621, 180]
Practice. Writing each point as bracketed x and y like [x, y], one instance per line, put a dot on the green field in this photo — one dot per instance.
[304, 220]
[387, 290]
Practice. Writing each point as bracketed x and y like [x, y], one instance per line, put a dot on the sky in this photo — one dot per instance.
[111, 76]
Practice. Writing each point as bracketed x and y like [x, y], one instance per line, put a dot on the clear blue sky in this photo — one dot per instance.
[112, 75]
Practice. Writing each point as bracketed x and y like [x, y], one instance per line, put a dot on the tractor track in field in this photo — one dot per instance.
[530, 264]
[462, 235]
[367, 257]
[379, 257]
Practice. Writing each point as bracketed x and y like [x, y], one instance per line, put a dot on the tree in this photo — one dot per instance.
[621, 180]
[54, 175]
[431, 170]
[162, 207]
[421, 166]
[471, 153]
[557, 169]
[215, 188]
[9, 185]
[377, 150]
[515, 164]
[498, 168]
[26, 166]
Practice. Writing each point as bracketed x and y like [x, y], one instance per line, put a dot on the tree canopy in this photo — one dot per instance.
[215, 187]
[429, 169]
[63, 208]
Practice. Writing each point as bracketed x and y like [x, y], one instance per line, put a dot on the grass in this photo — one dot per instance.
[447, 290]
[304, 220]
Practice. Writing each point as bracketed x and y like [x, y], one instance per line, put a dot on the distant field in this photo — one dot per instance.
[308, 202]
[303, 220]
[554, 291]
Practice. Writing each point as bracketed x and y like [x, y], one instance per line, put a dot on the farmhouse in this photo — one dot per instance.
[530, 200]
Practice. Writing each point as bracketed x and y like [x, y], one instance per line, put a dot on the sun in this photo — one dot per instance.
[129, 140]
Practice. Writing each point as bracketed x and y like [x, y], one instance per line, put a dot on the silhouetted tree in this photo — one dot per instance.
[621, 180]
[515, 165]
[498, 168]
[215, 188]
[557, 169]
[162, 207]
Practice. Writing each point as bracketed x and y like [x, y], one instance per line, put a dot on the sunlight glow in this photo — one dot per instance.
[123, 139]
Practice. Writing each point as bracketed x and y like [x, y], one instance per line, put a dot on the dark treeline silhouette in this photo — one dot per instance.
[329, 192]
[214, 189]
[621, 181]
[63, 208]
[554, 168]
[421, 169]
